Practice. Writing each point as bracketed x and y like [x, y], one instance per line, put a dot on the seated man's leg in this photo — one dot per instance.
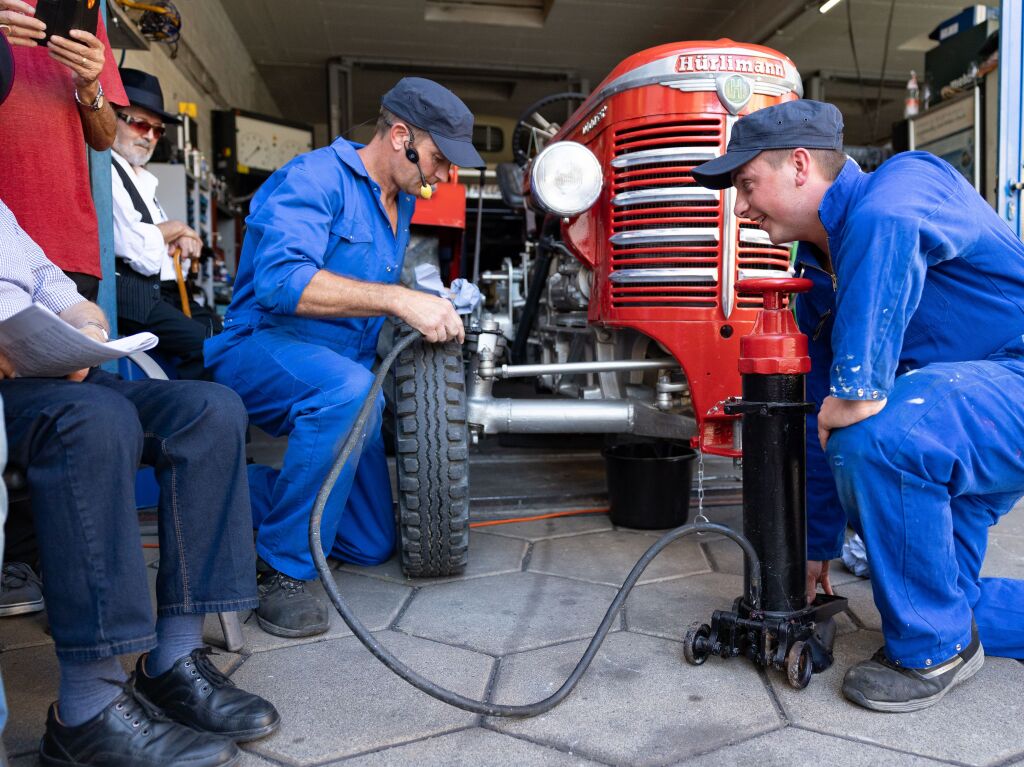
[80, 445]
[896, 472]
[180, 337]
[313, 394]
[194, 435]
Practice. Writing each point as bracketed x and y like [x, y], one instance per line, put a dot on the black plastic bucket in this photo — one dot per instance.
[649, 484]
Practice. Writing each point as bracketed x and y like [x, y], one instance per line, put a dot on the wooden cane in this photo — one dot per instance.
[182, 292]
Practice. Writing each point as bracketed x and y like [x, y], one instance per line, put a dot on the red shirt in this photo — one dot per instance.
[44, 166]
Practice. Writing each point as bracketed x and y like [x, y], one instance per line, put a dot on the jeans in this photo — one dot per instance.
[80, 445]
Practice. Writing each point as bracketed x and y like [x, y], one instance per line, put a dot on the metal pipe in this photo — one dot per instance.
[565, 416]
[568, 368]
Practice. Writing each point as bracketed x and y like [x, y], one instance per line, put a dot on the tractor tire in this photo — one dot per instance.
[432, 458]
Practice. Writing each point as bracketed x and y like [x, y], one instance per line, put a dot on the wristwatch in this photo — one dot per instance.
[97, 103]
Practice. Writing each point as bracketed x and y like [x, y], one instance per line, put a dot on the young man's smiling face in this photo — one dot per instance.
[771, 197]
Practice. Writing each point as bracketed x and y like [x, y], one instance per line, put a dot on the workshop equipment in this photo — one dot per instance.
[785, 632]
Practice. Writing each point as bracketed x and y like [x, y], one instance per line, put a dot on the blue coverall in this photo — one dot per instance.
[926, 309]
[307, 377]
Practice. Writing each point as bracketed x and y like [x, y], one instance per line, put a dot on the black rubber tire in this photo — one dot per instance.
[432, 458]
[799, 667]
[695, 649]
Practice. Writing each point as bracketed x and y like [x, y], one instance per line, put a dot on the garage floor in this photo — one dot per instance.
[516, 623]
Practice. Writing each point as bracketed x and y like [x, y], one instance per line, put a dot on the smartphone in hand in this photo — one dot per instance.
[61, 16]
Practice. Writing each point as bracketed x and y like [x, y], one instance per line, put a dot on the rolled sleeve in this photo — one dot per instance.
[292, 228]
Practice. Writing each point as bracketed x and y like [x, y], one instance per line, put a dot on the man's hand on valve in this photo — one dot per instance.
[433, 316]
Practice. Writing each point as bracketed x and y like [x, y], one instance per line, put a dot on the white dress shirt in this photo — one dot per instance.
[141, 245]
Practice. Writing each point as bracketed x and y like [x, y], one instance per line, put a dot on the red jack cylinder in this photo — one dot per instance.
[773, 362]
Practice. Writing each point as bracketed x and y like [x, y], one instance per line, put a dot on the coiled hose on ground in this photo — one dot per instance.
[422, 683]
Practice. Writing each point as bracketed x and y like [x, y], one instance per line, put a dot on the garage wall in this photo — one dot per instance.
[212, 69]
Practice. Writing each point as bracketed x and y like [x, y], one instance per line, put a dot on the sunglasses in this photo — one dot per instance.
[142, 127]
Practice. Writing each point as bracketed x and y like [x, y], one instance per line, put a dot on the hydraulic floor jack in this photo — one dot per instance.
[771, 623]
[783, 631]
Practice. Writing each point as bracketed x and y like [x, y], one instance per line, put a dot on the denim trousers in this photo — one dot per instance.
[80, 445]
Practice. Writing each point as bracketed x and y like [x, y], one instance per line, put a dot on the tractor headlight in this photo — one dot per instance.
[566, 178]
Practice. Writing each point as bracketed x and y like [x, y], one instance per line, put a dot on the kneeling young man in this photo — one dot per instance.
[916, 334]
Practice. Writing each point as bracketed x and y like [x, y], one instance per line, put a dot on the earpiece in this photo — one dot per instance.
[414, 157]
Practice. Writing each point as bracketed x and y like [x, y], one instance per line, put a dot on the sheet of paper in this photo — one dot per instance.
[41, 345]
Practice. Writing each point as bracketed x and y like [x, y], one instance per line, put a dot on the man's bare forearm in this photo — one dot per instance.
[330, 295]
[98, 125]
[84, 313]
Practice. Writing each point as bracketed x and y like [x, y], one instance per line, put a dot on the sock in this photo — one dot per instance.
[84, 689]
[176, 637]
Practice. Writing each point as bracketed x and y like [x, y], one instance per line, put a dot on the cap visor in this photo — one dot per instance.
[461, 153]
[717, 173]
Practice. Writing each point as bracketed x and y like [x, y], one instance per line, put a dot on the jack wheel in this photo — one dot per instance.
[696, 647]
[799, 666]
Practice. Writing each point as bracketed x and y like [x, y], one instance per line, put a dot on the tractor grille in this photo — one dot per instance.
[666, 246]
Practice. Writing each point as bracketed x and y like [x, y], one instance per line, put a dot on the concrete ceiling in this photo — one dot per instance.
[500, 69]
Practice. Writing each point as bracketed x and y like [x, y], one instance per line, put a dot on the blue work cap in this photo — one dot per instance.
[440, 113]
[792, 124]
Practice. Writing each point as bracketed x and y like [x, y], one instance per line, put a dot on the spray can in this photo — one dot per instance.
[912, 105]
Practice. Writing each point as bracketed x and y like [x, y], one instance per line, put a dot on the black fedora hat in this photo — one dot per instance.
[6, 67]
[144, 91]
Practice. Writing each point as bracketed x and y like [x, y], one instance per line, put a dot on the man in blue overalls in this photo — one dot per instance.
[916, 327]
[323, 251]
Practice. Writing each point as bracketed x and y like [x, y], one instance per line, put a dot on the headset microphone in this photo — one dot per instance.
[413, 156]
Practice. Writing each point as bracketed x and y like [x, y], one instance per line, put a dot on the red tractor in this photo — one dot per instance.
[623, 306]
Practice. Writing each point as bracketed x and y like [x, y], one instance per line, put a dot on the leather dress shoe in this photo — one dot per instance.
[194, 693]
[130, 732]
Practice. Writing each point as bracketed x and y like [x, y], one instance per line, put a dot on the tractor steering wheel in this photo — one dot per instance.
[539, 122]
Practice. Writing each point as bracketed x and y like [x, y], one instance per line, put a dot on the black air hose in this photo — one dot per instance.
[420, 682]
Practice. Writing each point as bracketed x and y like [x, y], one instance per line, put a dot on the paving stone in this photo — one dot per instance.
[1004, 557]
[862, 603]
[1011, 523]
[488, 555]
[608, 557]
[639, 704]
[337, 700]
[977, 723]
[559, 527]
[666, 609]
[375, 602]
[20, 631]
[792, 745]
[470, 748]
[507, 613]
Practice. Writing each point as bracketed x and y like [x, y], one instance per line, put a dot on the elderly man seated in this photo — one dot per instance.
[80, 441]
[145, 239]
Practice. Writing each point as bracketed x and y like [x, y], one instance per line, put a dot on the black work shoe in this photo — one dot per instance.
[194, 693]
[130, 732]
[21, 591]
[287, 609]
[881, 685]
